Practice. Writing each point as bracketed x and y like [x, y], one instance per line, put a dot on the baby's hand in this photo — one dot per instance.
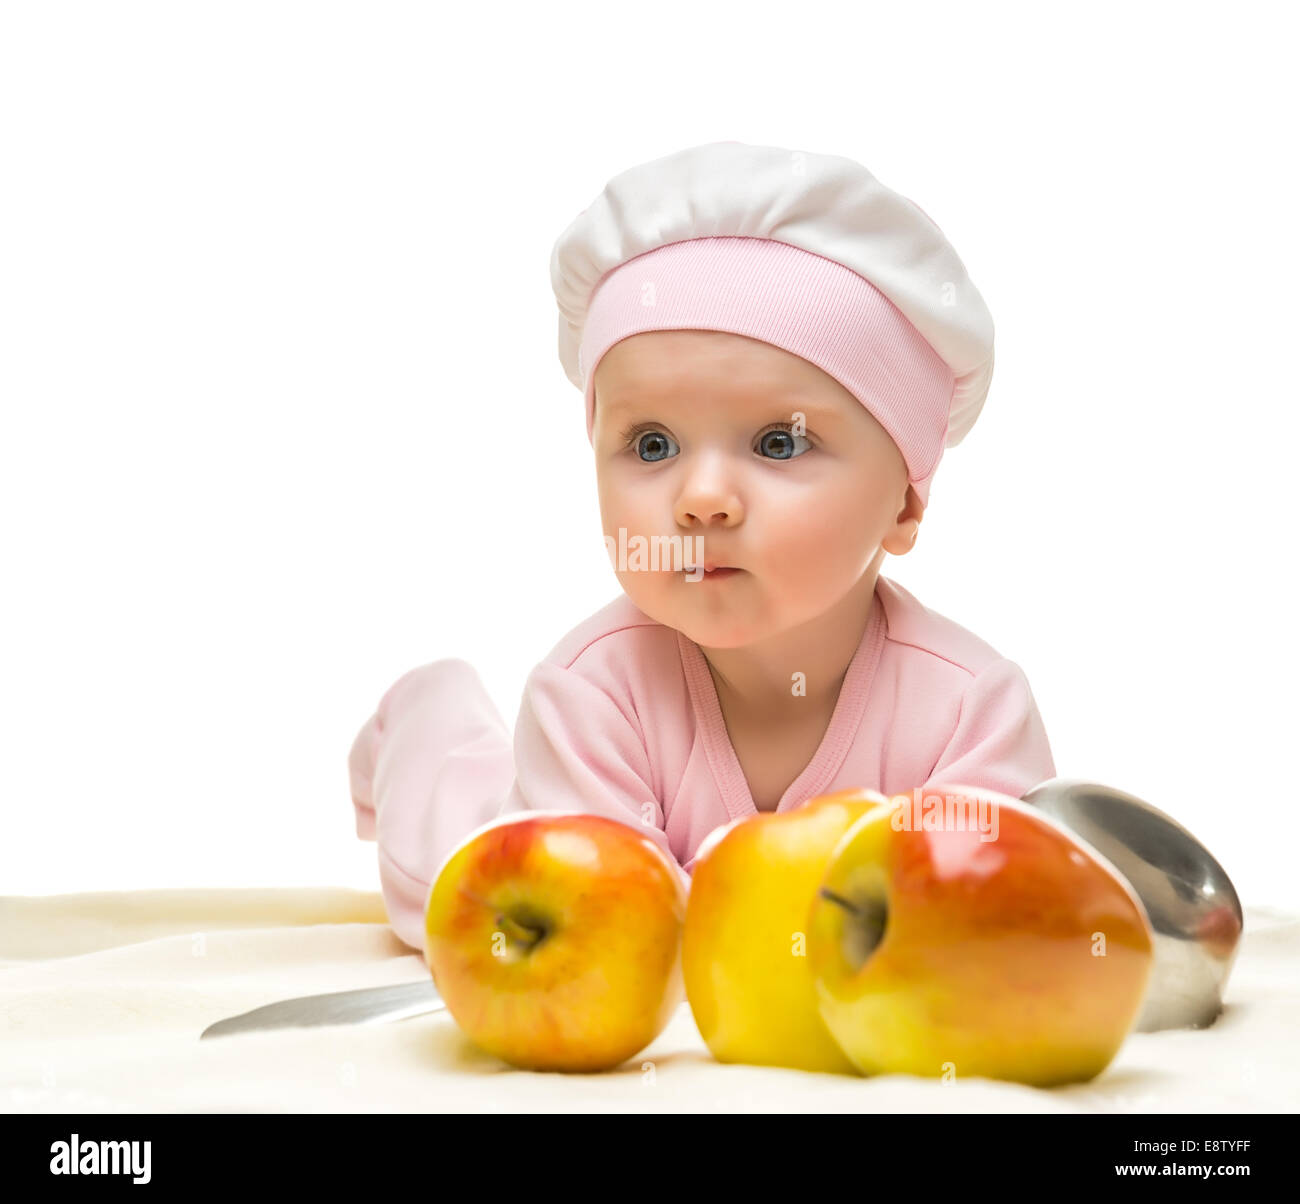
[361, 776]
[431, 764]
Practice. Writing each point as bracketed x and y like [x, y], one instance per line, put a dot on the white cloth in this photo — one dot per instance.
[103, 997]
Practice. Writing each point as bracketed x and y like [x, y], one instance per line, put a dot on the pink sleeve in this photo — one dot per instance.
[430, 765]
[1000, 742]
[578, 749]
[435, 763]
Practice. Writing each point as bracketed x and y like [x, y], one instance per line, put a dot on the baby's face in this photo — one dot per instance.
[689, 441]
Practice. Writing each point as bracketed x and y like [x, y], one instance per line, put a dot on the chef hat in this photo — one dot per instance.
[808, 252]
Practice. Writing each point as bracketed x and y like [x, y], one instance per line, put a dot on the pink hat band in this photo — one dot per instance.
[801, 302]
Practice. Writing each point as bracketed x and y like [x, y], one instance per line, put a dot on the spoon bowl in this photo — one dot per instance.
[1193, 907]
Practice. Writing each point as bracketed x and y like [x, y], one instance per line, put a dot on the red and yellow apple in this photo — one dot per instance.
[555, 939]
[937, 950]
[743, 945]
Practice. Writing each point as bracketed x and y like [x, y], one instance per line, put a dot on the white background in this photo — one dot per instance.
[283, 415]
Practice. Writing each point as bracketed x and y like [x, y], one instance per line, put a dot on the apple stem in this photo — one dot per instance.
[862, 936]
[827, 893]
[525, 934]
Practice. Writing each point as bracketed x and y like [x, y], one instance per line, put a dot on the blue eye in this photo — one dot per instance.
[654, 446]
[779, 441]
[654, 441]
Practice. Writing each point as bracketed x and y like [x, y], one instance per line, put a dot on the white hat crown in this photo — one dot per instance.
[825, 204]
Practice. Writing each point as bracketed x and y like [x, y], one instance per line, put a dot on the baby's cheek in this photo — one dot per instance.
[814, 550]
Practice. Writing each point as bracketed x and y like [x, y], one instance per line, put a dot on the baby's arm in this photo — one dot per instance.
[435, 763]
[430, 765]
[578, 747]
[1000, 742]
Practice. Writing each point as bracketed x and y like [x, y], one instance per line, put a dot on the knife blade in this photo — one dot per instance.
[368, 1005]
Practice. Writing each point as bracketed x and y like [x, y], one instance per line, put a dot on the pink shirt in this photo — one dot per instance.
[622, 719]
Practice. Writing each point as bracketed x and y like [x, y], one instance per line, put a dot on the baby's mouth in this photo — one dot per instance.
[719, 573]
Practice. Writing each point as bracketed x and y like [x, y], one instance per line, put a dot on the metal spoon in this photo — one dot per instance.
[1189, 898]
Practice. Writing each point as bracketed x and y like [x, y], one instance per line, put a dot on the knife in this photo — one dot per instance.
[369, 1005]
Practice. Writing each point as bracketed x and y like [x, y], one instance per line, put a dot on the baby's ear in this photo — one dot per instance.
[913, 507]
[903, 538]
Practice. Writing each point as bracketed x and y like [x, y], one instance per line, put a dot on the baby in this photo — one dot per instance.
[774, 351]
